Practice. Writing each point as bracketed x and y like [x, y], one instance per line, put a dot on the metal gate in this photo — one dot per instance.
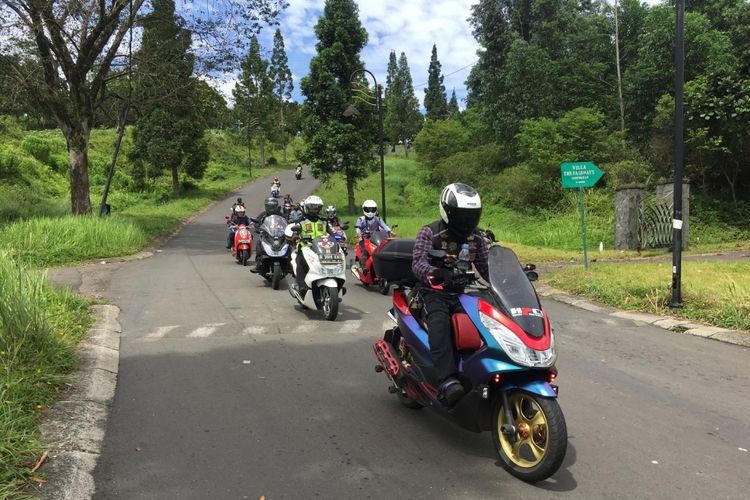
[655, 223]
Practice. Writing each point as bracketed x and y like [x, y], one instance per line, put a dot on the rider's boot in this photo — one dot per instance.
[450, 391]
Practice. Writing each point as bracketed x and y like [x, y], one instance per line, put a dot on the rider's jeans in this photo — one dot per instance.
[438, 309]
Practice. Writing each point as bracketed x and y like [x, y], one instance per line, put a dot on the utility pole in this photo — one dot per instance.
[679, 151]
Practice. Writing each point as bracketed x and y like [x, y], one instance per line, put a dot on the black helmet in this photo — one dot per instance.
[460, 208]
[272, 205]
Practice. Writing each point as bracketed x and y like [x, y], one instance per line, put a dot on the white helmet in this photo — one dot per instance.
[369, 208]
[312, 206]
[239, 209]
[460, 208]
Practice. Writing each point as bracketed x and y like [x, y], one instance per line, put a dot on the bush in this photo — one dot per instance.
[440, 139]
[523, 188]
[272, 161]
[624, 172]
[476, 167]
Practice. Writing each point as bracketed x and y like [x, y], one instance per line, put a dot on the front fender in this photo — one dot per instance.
[327, 282]
[538, 387]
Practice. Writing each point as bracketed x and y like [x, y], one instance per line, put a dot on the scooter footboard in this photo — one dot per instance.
[388, 359]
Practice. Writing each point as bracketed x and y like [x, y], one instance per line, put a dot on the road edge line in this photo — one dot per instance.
[668, 323]
[75, 426]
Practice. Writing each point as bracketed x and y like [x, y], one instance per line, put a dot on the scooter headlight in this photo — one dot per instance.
[514, 346]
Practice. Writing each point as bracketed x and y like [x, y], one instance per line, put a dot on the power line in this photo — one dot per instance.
[448, 74]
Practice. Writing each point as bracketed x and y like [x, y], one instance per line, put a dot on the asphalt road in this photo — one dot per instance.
[227, 390]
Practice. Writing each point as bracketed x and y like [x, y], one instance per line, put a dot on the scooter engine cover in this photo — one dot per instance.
[465, 333]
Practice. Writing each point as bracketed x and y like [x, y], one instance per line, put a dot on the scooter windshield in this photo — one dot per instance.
[514, 291]
[326, 247]
[377, 237]
[274, 226]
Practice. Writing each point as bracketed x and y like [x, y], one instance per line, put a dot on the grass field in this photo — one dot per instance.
[714, 292]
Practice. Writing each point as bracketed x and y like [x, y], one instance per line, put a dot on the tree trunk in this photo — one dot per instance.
[619, 74]
[262, 148]
[350, 192]
[77, 137]
[283, 132]
[249, 153]
[175, 182]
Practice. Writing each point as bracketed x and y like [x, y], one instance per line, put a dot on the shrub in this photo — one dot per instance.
[476, 167]
[272, 161]
[624, 172]
[440, 139]
[522, 188]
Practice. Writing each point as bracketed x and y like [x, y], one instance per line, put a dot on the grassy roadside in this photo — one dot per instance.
[552, 236]
[39, 330]
[714, 292]
[40, 327]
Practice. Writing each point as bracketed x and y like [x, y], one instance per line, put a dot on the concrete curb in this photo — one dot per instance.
[666, 322]
[74, 428]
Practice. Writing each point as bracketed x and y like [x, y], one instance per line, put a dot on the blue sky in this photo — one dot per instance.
[411, 26]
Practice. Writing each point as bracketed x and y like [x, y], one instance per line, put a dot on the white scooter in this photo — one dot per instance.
[326, 276]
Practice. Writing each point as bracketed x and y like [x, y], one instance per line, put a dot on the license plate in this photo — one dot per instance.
[245, 242]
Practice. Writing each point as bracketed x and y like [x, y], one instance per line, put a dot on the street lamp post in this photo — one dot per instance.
[351, 110]
[679, 81]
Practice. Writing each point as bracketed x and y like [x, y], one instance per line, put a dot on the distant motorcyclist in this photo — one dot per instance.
[332, 217]
[276, 186]
[368, 223]
[286, 205]
[271, 206]
[298, 171]
[296, 214]
[237, 219]
[237, 203]
[460, 210]
[311, 226]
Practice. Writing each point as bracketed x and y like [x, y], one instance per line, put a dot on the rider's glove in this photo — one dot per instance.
[441, 276]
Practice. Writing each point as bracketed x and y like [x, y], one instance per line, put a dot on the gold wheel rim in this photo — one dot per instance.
[531, 436]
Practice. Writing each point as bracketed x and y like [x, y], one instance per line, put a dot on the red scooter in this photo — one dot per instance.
[374, 241]
[243, 244]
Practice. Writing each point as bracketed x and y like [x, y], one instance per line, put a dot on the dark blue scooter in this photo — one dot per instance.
[505, 355]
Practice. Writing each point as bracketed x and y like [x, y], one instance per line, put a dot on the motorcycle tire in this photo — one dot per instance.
[329, 297]
[276, 276]
[384, 287]
[541, 437]
[244, 257]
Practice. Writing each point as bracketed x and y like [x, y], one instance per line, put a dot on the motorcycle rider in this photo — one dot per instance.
[234, 205]
[460, 210]
[271, 206]
[368, 223]
[298, 170]
[311, 226]
[276, 185]
[295, 214]
[333, 219]
[238, 218]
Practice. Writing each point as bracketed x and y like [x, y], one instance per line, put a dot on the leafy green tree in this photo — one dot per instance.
[213, 106]
[254, 99]
[434, 95]
[169, 131]
[78, 49]
[440, 139]
[282, 84]
[718, 114]
[334, 143]
[453, 104]
[652, 75]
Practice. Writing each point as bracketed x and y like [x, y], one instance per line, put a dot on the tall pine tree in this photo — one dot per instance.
[453, 104]
[282, 83]
[254, 99]
[402, 119]
[391, 101]
[335, 143]
[169, 130]
[434, 95]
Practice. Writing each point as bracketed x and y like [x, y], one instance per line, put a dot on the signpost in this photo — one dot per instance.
[580, 174]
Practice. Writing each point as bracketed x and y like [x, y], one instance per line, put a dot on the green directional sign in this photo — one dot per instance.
[579, 174]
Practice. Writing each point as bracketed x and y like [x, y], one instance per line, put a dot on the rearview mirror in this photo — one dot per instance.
[532, 275]
[344, 226]
[394, 226]
[296, 228]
